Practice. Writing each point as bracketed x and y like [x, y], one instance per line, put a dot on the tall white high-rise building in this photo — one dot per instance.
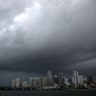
[13, 83]
[75, 79]
[49, 78]
[17, 82]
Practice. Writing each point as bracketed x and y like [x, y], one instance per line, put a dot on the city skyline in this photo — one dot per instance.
[41, 35]
[50, 81]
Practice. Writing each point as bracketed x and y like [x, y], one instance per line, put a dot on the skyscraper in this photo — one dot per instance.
[60, 79]
[43, 81]
[75, 79]
[90, 79]
[66, 82]
[49, 78]
[24, 84]
[55, 79]
[17, 82]
[81, 79]
[34, 82]
[13, 83]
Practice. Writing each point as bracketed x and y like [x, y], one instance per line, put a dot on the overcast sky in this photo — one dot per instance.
[41, 35]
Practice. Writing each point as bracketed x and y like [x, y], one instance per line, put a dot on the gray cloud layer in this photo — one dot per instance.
[37, 35]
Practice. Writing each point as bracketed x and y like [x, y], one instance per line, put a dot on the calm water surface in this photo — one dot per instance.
[50, 93]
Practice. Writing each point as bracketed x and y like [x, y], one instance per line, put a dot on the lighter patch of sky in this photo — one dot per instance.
[32, 12]
[76, 2]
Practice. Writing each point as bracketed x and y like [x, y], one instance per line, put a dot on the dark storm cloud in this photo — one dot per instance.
[39, 35]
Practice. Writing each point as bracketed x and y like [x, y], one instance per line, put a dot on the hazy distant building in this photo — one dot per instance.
[24, 84]
[81, 80]
[43, 81]
[17, 82]
[32, 82]
[60, 79]
[35, 82]
[55, 79]
[49, 78]
[13, 83]
[66, 82]
[90, 79]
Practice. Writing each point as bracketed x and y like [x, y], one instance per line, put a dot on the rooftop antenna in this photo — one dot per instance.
[75, 67]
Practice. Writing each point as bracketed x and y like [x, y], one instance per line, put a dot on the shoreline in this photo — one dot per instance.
[55, 90]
